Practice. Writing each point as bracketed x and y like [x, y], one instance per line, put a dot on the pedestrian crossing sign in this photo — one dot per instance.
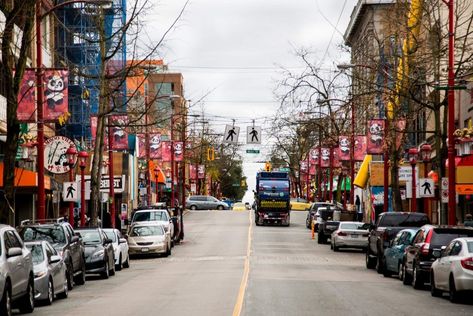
[231, 134]
[70, 193]
[426, 188]
[253, 134]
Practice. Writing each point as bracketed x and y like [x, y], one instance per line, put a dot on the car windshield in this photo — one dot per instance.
[403, 220]
[54, 235]
[150, 216]
[470, 246]
[442, 238]
[353, 226]
[267, 185]
[90, 237]
[143, 231]
[36, 253]
[111, 235]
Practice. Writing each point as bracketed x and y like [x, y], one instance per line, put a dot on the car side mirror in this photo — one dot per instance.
[14, 252]
[437, 253]
[107, 241]
[75, 239]
[54, 259]
[123, 241]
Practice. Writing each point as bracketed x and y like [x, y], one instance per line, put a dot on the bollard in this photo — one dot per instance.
[312, 230]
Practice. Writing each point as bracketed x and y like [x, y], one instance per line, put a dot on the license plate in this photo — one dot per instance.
[354, 236]
[144, 249]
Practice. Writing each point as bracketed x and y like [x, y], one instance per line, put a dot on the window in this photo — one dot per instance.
[419, 237]
[457, 247]
[90, 237]
[111, 235]
[147, 231]
[36, 253]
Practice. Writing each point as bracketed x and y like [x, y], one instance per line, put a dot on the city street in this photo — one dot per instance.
[289, 274]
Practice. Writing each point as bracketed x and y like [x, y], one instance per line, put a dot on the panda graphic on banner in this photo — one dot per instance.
[344, 146]
[375, 137]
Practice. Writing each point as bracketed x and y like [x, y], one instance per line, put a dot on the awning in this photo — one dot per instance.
[26, 178]
[161, 177]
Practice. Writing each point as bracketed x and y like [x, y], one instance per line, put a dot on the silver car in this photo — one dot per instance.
[205, 202]
[149, 238]
[452, 272]
[155, 215]
[350, 235]
[120, 248]
[50, 272]
[16, 266]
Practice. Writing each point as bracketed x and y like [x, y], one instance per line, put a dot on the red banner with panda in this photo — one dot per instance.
[375, 136]
[119, 139]
[26, 111]
[360, 147]
[55, 93]
[344, 147]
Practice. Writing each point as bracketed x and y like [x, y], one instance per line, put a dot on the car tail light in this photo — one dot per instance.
[467, 263]
[424, 249]
[385, 236]
[341, 234]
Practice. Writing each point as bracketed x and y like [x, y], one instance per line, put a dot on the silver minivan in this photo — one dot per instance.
[205, 202]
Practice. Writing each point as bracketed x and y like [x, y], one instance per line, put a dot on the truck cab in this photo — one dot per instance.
[272, 198]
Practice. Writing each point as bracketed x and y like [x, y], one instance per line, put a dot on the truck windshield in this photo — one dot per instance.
[268, 185]
[403, 220]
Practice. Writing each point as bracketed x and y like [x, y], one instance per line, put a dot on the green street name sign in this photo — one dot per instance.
[252, 151]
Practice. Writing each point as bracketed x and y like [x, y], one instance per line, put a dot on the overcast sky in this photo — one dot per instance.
[230, 51]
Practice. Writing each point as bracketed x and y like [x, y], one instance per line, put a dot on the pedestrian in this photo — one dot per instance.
[107, 220]
[359, 213]
[468, 220]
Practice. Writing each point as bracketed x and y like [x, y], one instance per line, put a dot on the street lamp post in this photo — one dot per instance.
[330, 194]
[71, 154]
[156, 173]
[111, 180]
[413, 155]
[83, 155]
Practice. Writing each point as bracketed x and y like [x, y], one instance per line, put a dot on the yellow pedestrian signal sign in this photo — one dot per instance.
[267, 166]
[210, 153]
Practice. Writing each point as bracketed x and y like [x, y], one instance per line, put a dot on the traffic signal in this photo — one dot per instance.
[267, 166]
[210, 153]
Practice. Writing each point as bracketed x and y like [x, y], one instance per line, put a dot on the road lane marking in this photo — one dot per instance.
[246, 272]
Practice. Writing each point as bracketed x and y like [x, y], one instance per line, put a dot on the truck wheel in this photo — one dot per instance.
[370, 262]
[319, 238]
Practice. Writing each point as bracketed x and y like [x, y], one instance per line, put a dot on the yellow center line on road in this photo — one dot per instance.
[246, 272]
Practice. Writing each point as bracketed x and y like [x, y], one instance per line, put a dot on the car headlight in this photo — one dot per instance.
[98, 254]
[41, 273]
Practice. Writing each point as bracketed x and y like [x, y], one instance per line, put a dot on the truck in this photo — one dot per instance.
[386, 228]
[272, 198]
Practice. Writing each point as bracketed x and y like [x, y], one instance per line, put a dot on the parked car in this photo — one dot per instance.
[62, 237]
[99, 255]
[419, 257]
[50, 272]
[205, 202]
[299, 204]
[314, 213]
[325, 231]
[394, 254]
[228, 201]
[160, 216]
[149, 238]
[16, 273]
[239, 207]
[350, 235]
[120, 248]
[386, 228]
[453, 270]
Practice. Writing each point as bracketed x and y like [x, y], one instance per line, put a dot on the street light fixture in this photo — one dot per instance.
[413, 156]
[83, 155]
[71, 154]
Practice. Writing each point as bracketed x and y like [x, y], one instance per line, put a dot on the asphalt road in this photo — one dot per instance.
[286, 273]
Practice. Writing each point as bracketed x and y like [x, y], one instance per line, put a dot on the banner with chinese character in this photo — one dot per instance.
[193, 172]
[119, 140]
[93, 126]
[312, 169]
[141, 141]
[375, 137]
[314, 156]
[155, 146]
[201, 171]
[26, 111]
[360, 147]
[55, 93]
[325, 157]
[336, 163]
[178, 151]
[344, 146]
[166, 151]
[303, 166]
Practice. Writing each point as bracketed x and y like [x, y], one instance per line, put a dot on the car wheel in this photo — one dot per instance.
[27, 302]
[50, 298]
[370, 262]
[70, 276]
[386, 272]
[417, 279]
[65, 290]
[5, 304]
[400, 271]
[126, 264]
[106, 272]
[433, 290]
[453, 295]
[335, 248]
[193, 207]
[112, 268]
[80, 278]
[118, 267]
[407, 279]
[220, 207]
[379, 263]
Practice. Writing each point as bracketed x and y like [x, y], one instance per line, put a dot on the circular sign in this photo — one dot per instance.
[55, 159]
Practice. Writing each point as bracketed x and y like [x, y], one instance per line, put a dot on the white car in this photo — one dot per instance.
[350, 235]
[149, 239]
[120, 248]
[452, 272]
[159, 216]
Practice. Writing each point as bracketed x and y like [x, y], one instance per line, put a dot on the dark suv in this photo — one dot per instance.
[312, 214]
[418, 257]
[61, 236]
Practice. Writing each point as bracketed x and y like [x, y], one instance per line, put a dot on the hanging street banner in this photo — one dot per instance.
[141, 141]
[344, 146]
[155, 151]
[178, 151]
[55, 82]
[166, 151]
[231, 134]
[26, 111]
[192, 172]
[119, 140]
[70, 192]
[375, 136]
[253, 134]
[201, 171]
[55, 154]
[360, 147]
[314, 156]
[325, 157]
